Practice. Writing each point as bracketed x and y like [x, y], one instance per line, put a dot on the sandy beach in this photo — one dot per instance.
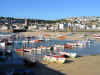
[87, 65]
[64, 35]
[56, 35]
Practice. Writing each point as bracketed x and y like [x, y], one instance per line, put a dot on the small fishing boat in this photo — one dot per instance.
[68, 45]
[96, 36]
[77, 43]
[54, 58]
[60, 46]
[2, 45]
[28, 50]
[19, 50]
[61, 60]
[72, 55]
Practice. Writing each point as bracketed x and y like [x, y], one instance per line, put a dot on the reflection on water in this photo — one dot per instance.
[89, 49]
[93, 48]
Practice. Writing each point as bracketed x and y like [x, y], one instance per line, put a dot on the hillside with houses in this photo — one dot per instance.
[69, 24]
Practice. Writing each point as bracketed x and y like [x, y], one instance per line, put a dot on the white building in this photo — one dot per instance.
[32, 27]
[82, 26]
[93, 26]
[88, 28]
[3, 27]
[69, 24]
[61, 26]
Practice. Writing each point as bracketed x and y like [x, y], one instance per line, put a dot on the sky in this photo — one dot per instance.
[49, 9]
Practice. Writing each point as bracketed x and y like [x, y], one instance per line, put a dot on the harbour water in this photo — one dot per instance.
[93, 48]
[89, 49]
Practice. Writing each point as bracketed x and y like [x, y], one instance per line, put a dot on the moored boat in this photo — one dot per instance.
[18, 50]
[68, 45]
[54, 58]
